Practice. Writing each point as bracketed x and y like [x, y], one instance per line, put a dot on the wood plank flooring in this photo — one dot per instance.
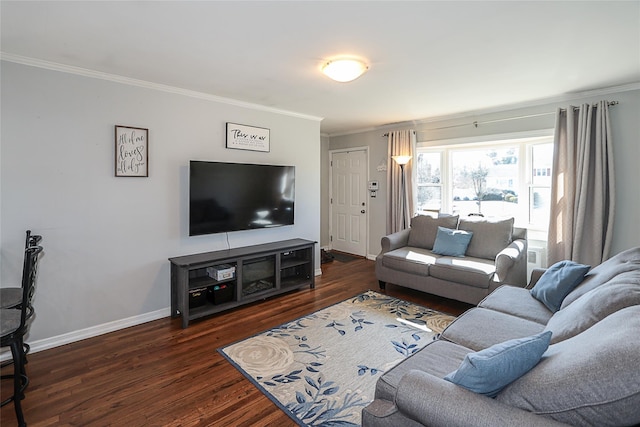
[158, 374]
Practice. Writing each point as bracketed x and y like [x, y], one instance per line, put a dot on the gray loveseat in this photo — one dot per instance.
[588, 376]
[495, 255]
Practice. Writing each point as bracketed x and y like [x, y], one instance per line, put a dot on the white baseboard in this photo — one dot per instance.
[94, 331]
[91, 332]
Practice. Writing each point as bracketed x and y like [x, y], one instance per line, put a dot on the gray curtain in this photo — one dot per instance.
[400, 143]
[583, 186]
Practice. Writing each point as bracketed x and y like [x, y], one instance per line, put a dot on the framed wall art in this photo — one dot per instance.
[132, 151]
[245, 137]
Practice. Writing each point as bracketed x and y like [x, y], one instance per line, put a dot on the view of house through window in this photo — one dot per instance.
[497, 179]
[540, 188]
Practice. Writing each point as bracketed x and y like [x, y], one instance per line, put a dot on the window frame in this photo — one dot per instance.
[525, 141]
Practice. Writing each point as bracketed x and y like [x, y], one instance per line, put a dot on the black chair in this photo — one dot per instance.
[14, 324]
[12, 297]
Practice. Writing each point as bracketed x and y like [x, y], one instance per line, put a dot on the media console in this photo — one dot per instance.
[207, 283]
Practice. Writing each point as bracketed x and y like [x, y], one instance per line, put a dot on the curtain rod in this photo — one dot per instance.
[528, 116]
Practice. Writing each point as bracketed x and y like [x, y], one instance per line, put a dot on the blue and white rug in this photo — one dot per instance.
[322, 369]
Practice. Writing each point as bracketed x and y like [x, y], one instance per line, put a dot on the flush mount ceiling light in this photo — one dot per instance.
[344, 70]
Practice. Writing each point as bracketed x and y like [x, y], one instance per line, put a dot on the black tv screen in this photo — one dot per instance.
[238, 196]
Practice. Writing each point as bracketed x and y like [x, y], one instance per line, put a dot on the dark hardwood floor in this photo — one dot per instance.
[158, 374]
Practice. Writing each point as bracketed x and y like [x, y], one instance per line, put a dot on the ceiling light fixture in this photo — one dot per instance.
[344, 70]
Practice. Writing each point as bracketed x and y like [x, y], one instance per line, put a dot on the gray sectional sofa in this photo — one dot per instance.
[588, 376]
[495, 255]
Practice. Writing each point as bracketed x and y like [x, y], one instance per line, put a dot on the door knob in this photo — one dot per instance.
[362, 211]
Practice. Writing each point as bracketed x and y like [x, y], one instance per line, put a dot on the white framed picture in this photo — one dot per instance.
[245, 137]
[132, 151]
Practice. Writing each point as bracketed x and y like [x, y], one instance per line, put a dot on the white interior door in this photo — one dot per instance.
[349, 201]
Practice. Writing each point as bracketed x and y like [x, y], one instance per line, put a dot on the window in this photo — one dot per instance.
[485, 181]
[429, 181]
[494, 178]
[540, 187]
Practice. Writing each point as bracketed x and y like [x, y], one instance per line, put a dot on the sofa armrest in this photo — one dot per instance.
[536, 273]
[511, 264]
[435, 402]
[395, 240]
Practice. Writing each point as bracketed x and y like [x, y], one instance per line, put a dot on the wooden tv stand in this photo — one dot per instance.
[261, 271]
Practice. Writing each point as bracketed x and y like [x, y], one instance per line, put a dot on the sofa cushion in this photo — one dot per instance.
[489, 237]
[591, 379]
[480, 328]
[625, 261]
[556, 283]
[451, 242]
[490, 370]
[592, 307]
[437, 358]
[425, 228]
[517, 302]
[475, 272]
[410, 260]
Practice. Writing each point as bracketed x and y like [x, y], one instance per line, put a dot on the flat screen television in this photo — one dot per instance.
[239, 196]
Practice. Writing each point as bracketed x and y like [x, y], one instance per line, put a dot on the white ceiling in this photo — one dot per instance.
[427, 58]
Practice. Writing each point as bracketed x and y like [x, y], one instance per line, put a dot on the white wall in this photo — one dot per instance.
[107, 239]
[625, 118]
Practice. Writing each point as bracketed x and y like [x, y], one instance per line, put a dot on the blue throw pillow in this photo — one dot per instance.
[490, 370]
[556, 283]
[451, 242]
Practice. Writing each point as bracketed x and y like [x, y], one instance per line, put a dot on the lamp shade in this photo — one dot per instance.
[401, 160]
[344, 70]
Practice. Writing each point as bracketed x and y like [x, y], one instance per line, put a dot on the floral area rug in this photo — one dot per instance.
[322, 369]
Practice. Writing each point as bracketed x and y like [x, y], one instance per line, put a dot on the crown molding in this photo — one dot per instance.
[85, 72]
[568, 97]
